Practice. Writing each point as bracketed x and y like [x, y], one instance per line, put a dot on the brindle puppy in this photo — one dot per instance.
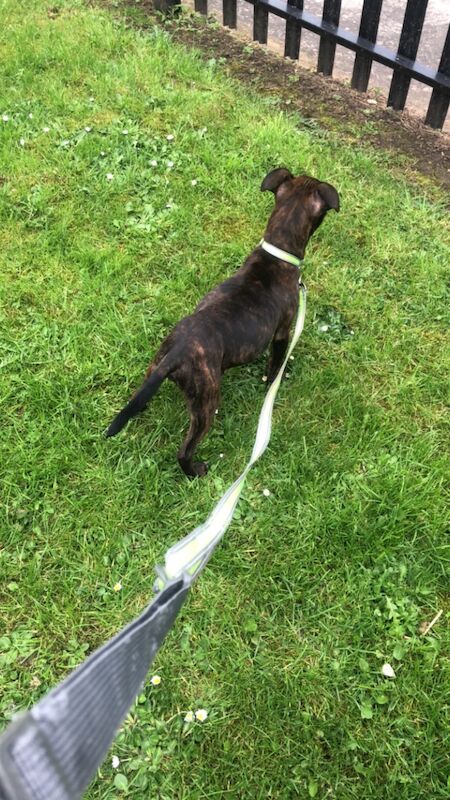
[235, 322]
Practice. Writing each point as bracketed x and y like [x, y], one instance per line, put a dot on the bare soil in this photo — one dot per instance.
[416, 148]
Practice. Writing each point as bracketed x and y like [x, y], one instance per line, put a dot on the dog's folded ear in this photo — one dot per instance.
[275, 179]
[328, 197]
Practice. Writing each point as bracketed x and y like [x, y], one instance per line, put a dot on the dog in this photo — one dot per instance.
[236, 321]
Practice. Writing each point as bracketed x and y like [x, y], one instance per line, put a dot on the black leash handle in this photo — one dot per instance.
[52, 751]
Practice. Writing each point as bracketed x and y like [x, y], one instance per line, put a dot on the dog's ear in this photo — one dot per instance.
[275, 179]
[326, 197]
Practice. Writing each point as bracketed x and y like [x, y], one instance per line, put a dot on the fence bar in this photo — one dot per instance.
[379, 53]
[201, 6]
[409, 43]
[368, 29]
[230, 13]
[260, 23]
[293, 33]
[327, 49]
[440, 99]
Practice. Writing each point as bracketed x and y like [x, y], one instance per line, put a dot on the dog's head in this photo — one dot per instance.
[300, 206]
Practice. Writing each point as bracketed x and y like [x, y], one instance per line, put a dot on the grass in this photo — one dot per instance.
[315, 586]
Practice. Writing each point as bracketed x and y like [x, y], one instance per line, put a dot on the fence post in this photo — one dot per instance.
[368, 29]
[408, 46]
[440, 99]
[201, 7]
[293, 33]
[166, 6]
[260, 23]
[327, 49]
[230, 13]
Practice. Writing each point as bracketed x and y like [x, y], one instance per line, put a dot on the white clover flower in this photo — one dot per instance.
[387, 671]
[201, 714]
[194, 182]
[91, 99]
[65, 142]
[22, 142]
[125, 132]
[46, 129]
[291, 358]
[117, 587]
[154, 163]
[109, 176]
[190, 716]
[88, 129]
[266, 492]
[220, 455]
[170, 137]
[323, 327]
[102, 153]
[115, 761]
[155, 680]
[170, 164]
[30, 115]
[5, 118]
[216, 411]
[264, 378]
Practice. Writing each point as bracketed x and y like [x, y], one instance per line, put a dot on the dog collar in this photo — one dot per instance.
[281, 254]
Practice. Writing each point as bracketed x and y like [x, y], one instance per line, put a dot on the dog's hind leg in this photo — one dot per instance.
[202, 409]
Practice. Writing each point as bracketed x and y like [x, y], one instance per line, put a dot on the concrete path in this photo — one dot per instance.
[433, 36]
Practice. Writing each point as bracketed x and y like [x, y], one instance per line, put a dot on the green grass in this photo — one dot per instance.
[314, 587]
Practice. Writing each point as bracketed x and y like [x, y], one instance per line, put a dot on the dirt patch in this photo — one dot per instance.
[359, 117]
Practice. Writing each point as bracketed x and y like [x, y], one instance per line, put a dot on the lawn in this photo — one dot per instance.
[130, 172]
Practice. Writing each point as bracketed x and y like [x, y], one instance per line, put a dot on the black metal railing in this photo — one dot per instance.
[364, 44]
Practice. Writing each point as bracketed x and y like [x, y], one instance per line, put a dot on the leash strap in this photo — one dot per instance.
[52, 751]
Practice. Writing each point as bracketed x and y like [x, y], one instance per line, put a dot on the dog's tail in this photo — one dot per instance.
[139, 401]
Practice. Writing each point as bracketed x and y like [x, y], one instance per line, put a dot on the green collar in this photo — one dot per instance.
[281, 254]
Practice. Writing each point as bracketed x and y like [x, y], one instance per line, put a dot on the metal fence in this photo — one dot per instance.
[364, 44]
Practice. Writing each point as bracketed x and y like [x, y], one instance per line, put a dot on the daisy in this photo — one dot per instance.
[387, 671]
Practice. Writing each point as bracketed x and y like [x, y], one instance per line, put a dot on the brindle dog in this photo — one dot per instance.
[236, 321]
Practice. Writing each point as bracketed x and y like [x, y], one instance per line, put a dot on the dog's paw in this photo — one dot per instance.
[199, 469]
[193, 469]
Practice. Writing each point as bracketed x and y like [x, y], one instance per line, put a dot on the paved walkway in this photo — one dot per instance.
[433, 36]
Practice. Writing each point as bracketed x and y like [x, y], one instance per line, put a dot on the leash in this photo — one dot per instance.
[53, 751]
